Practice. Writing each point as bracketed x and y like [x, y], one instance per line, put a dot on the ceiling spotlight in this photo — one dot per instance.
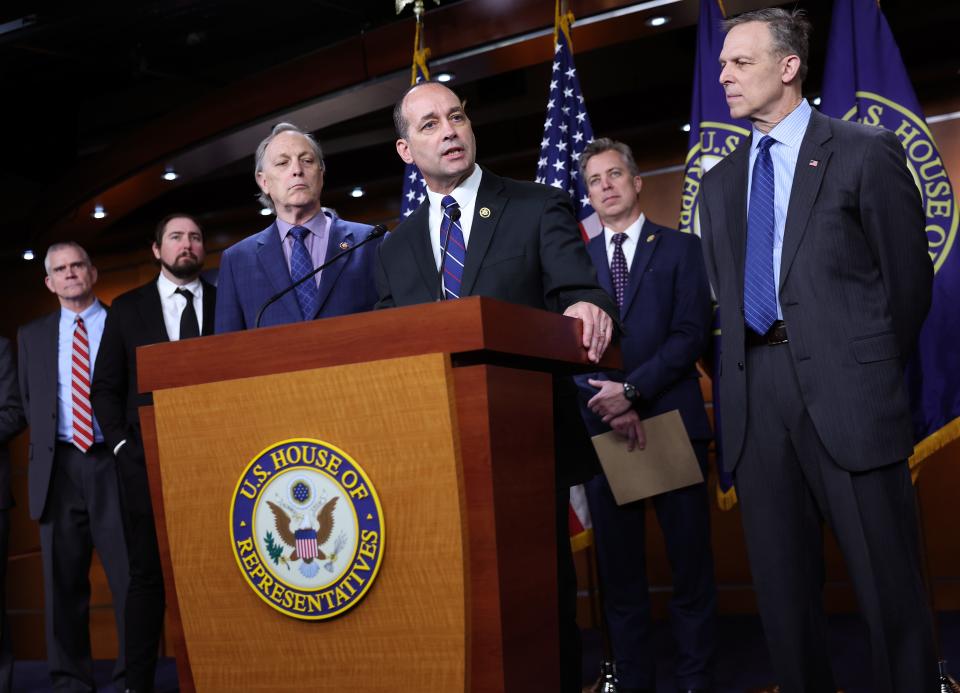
[357, 192]
[28, 254]
[169, 173]
[659, 20]
[816, 101]
[265, 211]
[686, 127]
[444, 76]
[99, 212]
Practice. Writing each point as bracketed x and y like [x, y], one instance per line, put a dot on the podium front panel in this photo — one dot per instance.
[396, 419]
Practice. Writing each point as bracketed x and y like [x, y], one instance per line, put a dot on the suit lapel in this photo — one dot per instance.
[338, 239]
[481, 232]
[209, 306]
[806, 184]
[49, 348]
[646, 245]
[422, 248]
[151, 313]
[735, 192]
[274, 266]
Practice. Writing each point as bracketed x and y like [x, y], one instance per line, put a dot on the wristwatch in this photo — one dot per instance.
[631, 393]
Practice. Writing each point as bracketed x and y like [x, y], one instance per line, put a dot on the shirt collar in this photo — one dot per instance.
[464, 194]
[167, 288]
[317, 224]
[791, 129]
[632, 231]
[68, 316]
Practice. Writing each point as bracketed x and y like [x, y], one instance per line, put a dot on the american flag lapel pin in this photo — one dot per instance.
[814, 162]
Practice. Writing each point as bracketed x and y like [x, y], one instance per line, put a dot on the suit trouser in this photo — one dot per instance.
[788, 484]
[82, 512]
[6, 640]
[145, 597]
[684, 518]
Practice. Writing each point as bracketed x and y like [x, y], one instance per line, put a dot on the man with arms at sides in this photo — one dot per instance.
[72, 474]
[289, 170]
[514, 241]
[178, 304]
[11, 423]
[656, 276]
[813, 235]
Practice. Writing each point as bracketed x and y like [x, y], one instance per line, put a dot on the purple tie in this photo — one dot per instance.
[618, 267]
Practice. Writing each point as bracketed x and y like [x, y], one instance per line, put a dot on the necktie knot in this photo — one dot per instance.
[449, 204]
[765, 143]
[79, 323]
[299, 232]
[186, 293]
[618, 239]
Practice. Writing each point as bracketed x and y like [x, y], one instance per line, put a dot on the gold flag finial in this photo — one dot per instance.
[417, 6]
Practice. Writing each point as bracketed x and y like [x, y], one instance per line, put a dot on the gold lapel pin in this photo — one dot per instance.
[485, 212]
[344, 245]
[651, 237]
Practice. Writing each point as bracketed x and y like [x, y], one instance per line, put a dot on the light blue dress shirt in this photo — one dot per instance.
[788, 134]
[94, 318]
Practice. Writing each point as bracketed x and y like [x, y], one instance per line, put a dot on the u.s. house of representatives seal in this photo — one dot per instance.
[307, 529]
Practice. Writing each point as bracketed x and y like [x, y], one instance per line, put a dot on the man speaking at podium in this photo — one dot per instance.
[289, 170]
[510, 240]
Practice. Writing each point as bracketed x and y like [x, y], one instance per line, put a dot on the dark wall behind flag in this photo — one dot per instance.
[713, 135]
[865, 80]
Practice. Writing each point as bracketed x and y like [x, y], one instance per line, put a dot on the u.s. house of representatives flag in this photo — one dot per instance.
[713, 135]
[865, 80]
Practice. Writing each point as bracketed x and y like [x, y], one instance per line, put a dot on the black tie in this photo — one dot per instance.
[189, 324]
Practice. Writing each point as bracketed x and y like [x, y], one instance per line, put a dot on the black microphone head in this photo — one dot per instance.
[377, 231]
[455, 215]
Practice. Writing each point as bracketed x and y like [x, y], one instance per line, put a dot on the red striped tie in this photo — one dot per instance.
[82, 412]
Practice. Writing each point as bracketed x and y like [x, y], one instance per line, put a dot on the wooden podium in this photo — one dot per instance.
[448, 409]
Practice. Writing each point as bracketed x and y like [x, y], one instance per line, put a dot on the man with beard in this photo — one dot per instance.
[177, 305]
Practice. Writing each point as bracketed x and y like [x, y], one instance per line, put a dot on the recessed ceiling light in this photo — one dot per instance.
[265, 211]
[357, 192]
[169, 173]
[28, 254]
[99, 212]
[444, 76]
[686, 127]
[659, 20]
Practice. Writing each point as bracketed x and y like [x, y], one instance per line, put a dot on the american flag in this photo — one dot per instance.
[567, 130]
[414, 187]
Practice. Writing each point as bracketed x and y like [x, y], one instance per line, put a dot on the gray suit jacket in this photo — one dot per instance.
[11, 421]
[855, 287]
[37, 348]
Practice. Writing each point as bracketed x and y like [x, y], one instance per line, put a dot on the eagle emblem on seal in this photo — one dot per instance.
[306, 541]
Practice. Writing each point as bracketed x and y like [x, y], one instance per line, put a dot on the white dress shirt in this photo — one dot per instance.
[173, 304]
[466, 196]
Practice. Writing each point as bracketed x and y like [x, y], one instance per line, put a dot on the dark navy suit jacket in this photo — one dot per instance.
[666, 325]
[255, 269]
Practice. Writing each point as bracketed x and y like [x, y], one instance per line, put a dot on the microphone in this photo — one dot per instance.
[454, 218]
[376, 232]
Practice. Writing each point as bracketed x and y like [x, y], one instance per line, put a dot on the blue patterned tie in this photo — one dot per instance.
[456, 250]
[308, 296]
[618, 267]
[759, 292]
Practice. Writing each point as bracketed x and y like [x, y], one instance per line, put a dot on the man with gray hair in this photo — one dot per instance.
[813, 236]
[73, 484]
[289, 170]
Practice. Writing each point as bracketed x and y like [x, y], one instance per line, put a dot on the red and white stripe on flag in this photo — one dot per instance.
[581, 526]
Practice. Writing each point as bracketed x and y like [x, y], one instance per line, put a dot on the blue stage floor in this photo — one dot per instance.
[741, 664]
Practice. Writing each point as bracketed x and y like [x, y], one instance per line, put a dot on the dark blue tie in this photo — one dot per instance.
[456, 249]
[759, 292]
[618, 267]
[301, 265]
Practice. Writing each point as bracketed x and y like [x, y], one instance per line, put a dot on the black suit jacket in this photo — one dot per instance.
[135, 319]
[11, 420]
[527, 250]
[855, 287]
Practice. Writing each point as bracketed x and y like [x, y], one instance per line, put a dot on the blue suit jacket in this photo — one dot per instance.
[255, 269]
[666, 326]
